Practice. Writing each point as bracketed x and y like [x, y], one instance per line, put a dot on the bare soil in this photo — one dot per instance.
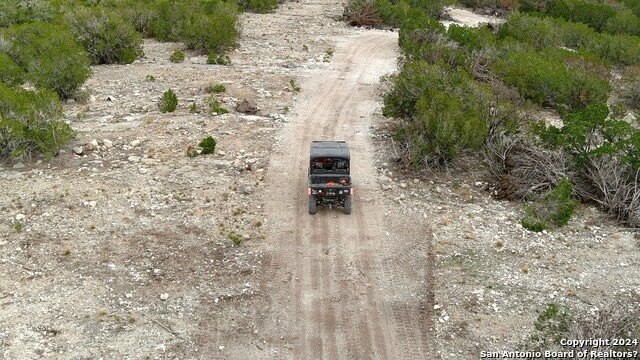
[124, 252]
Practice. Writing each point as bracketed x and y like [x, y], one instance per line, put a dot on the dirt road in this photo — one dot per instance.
[325, 275]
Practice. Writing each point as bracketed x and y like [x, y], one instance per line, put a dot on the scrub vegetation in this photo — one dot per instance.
[47, 48]
[465, 91]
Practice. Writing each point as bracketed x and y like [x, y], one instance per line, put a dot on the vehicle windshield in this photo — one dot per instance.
[331, 180]
[326, 165]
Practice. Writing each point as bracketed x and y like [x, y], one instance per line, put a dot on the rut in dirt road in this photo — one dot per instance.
[325, 270]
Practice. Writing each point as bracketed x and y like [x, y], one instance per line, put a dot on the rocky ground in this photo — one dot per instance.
[124, 247]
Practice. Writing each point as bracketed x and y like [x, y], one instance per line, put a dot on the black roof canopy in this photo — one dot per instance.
[338, 149]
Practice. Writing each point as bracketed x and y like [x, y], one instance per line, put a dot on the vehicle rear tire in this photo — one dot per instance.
[347, 205]
[313, 205]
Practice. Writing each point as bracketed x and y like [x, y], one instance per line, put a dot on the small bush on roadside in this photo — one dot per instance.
[551, 326]
[531, 222]
[215, 59]
[50, 56]
[294, 86]
[441, 129]
[29, 123]
[393, 13]
[168, 102]
[203, 25]
[177, 56]
[215, 89]
[215, 107]
[539, 32]
[193, 108]
[444, 112]
[418, 29]
[208, 145]
[214, 30]
[472, 38]
[105, 36]
[191, 152]
[553, 209]
[235, 238]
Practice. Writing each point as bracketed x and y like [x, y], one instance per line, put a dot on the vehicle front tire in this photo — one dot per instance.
[313, 205]
[347, 205]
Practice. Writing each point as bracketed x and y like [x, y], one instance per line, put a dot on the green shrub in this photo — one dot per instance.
[615, 319]
[551, 326]
[472, 38]
[393, 13]
[29, 123]
[139, 14]
[442, 128]
[444, 112]
[216, 31]
[19, 12]
[50, 56]
[215, 89]
[548, 32]
[177, 56]
[258, 6]
[208, 145]
[105, 36]
[408, 86]
[10, 72]
[553, 209]
[215, 59]
[294, 86]
[215, 107]
[539, 32]
[591, 133]
[167, 19]
[204, 26]
[193, 108]
[431, 8]
[418, 29]
[619, 48]
[593, 14]
[623, 22]
[633, 5]
[546, 80]
[235, 238]
[168, 102]
[531, 222]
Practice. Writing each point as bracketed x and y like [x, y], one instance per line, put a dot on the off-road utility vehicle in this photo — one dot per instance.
[329, 179]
